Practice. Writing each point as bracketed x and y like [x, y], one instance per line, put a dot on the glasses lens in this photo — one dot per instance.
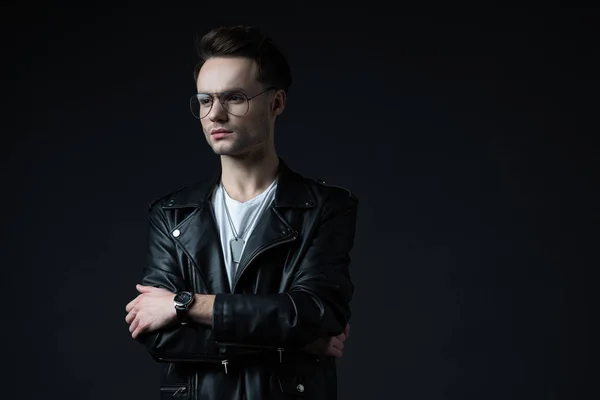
[200, 106]
[235, 103]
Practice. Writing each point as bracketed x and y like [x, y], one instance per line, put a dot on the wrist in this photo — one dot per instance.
[201, 310]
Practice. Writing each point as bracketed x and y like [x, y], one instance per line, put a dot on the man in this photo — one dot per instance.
[246, 293]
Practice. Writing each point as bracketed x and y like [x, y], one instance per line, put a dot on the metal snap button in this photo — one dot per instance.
[176, 233]
[300, 388]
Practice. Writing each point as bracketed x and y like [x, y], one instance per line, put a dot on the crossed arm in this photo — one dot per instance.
[153, 309]
[312, 314]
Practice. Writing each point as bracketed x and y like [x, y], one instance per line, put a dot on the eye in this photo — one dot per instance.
[204, 100]
[235, 98]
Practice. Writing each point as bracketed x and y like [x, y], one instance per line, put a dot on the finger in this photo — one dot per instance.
[135, 333]
[130, 317]
[332, 351]
[341, 336]
[134, 325]
[139, 330]
[347, 330]
[131, 304]
[143, 289]
[336, 343]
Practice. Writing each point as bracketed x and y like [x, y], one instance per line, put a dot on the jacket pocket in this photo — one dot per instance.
[180, 392]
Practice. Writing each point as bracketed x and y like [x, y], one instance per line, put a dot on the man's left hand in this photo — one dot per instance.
[330, 346]
[152, 309]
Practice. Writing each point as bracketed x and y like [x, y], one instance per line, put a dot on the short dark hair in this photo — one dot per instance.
[245, 41]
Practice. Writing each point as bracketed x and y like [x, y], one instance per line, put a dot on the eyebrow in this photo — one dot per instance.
[233, 89]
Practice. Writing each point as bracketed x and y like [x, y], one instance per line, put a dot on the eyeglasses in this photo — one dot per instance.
[234, 102]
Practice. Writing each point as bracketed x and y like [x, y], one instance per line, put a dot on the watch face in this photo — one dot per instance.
[183, 298]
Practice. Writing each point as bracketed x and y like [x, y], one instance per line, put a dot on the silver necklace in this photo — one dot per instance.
[236, 245]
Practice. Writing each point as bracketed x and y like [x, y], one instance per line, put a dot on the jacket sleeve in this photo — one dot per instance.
[190, 342]
[318, 300]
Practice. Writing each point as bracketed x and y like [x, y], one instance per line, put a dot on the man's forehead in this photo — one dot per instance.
[225, 74]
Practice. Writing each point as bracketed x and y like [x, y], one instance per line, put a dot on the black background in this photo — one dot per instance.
[467, 135]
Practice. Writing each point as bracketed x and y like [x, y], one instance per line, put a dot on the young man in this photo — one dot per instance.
[246, 292]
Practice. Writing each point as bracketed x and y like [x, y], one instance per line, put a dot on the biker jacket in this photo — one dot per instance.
[292, 286]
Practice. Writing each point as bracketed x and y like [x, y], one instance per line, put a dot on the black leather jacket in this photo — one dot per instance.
[293, 286]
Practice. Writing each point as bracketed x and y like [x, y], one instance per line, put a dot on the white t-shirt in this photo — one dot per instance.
[244, 217]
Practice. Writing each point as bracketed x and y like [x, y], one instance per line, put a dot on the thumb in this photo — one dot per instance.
[142, 288]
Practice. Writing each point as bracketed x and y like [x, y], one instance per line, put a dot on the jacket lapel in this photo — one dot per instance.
[281, 221]
[201, 240]
[270, 230]
[199, 237]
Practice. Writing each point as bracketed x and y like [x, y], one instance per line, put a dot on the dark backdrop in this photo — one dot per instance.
[465, 133]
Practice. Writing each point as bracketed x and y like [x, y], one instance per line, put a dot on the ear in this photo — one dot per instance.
[278, 102]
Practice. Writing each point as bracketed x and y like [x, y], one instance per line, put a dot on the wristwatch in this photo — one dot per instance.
[183, 300]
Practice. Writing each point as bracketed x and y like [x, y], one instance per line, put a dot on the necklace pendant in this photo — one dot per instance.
[236, 245]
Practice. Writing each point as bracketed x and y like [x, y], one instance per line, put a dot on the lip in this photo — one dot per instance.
[219, 131]
[219, 135]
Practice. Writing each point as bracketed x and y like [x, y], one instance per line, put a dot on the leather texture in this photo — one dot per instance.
[293, 286]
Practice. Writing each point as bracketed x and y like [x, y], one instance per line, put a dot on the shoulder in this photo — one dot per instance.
[186, 196]
[323, 191]
[164, 198]
[328, 191]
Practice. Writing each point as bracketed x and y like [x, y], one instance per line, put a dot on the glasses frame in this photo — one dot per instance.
[220, 94]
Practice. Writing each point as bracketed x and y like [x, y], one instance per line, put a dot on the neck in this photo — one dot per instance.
[245, 177]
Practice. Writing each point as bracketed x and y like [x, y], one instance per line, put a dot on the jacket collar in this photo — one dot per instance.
[291, 192]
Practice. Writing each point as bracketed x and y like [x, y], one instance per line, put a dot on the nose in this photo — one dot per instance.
[217, 112]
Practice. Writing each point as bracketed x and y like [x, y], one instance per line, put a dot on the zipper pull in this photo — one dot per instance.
[280, 350]
[224, 362]
[180, 390]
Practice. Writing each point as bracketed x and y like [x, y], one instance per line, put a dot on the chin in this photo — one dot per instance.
[228, 151]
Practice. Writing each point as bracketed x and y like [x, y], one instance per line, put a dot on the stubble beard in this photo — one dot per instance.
[241, 144]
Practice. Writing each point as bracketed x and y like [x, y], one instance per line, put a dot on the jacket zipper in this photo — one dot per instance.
[223, 362]
[187, 360]
[289, 238]
[280, 350]
[176, 390]
[250, 346]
